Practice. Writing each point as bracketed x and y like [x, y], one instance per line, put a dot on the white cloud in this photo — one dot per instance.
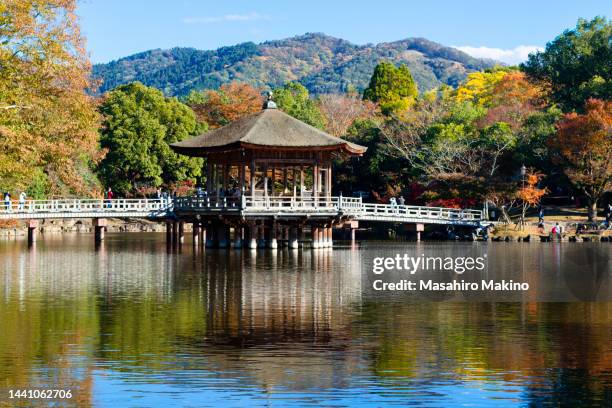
[509, 56]
[253, 16]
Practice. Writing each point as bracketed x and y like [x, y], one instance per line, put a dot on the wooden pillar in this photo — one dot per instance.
[195, 233]
[238, 236]
[328, 183]
[285, 178]
[209, 175]
[181, 232]
[253, 180]
[419, 228]
[226, 171]
[293, 238]
[211, 236]
[252, 235]
[322, 237]
[202, 238]
[169, 232]
[301, 181]
[32, 228]
[265, 169]
[242, 179]
[273, 242]
[222, 234]
[99, 229]
[315, 182]
[294, 182]
[315, 236]
[261, 236]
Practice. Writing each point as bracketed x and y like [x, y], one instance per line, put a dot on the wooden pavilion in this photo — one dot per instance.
[260, 164]
[269, 154]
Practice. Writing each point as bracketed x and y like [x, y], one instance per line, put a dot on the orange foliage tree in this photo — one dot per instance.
[340, 111]
[583, 147]
[512, 99]
[48, 122]
[229, 103]
[529, 194]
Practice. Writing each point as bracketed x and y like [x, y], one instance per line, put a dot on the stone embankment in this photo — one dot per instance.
[16, 228]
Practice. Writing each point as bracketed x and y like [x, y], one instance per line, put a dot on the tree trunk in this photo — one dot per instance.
[592, 207]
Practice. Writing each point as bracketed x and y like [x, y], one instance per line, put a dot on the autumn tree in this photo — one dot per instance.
[294, 99]
[229, 103]
[48, 122]
[576, 64]
[530, 194]
[340, 111]
[139, 124]
[393, 88]
[583, 147]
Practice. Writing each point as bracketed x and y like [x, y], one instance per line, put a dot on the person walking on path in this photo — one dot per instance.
[541, 216]
[7, 201]
[22, 200]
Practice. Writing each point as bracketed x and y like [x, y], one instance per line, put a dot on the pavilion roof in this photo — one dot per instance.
[268, 129]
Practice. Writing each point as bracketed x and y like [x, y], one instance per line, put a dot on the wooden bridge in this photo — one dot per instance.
[279, 207]
[265, 220]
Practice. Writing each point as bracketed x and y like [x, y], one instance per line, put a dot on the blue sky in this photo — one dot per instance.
[503, 30]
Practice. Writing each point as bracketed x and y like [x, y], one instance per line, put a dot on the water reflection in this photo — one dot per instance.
[131, 320]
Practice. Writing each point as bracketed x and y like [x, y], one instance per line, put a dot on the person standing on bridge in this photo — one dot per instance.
[109, 197]
[7, 201]
[401, 201]
[22, 200]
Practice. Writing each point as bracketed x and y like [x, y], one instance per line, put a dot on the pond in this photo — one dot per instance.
[130, 323]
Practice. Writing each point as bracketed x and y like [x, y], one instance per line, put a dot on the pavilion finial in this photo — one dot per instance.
[269, 103]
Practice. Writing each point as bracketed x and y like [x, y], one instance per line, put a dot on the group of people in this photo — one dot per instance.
[394, 202]
[8, 201]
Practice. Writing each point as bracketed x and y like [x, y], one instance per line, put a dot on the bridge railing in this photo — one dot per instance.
[86, 206]
[399, 211]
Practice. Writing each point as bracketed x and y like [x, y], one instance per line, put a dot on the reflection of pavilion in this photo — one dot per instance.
[261, 166]
[285, 296]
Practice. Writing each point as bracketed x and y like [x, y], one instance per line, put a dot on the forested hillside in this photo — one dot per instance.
[323, 64]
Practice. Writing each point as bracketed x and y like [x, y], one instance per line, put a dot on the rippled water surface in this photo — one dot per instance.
[131, 324]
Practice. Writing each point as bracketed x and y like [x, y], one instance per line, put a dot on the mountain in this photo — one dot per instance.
[322, 63]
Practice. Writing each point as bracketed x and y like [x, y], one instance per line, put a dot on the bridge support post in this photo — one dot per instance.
[252, 236]
[195, 231]
[315, 237]
[261, 236]
[99, 228]
[273, 242]
[238, 236]
[293, 238]
[168, 232]
[223, 236]
[330, 240]
[202, 235]
[419, 228]
[322, 236]
[174, 233]
[181, 233]
[32, 228]
[211, 236]
[323, 243]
